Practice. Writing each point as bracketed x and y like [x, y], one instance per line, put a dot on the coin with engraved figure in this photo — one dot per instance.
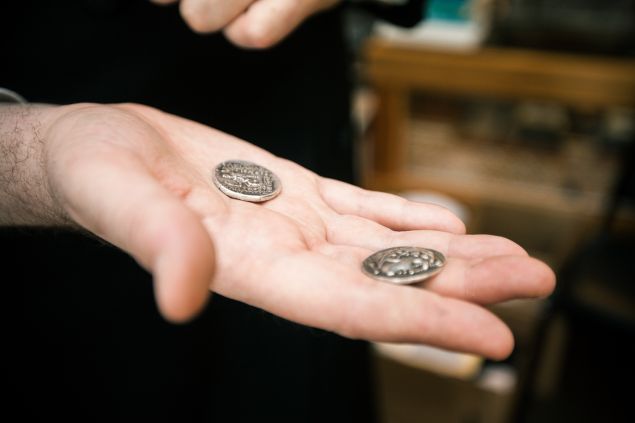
[404, 265]
[246, 181]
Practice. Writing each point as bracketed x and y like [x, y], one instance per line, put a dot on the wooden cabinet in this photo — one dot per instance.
[396, 159]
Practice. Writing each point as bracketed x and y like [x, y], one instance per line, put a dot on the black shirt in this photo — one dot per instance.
[90, 342]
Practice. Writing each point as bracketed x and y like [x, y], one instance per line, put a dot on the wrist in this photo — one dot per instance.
[25, 194]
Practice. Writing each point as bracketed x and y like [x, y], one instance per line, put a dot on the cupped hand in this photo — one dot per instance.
[142, 180]
[249, 23]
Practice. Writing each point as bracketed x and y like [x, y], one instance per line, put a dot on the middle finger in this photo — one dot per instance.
[359, 232]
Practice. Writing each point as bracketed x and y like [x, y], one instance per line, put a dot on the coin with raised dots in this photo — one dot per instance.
[404, 265]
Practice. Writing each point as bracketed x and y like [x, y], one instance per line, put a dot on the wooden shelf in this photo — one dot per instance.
[584, 81]
[395, 70]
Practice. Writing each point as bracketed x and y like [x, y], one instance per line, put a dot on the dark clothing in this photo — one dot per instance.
[91, 344]
[292, 99]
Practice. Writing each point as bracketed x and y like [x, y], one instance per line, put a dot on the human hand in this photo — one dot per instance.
[142, 180]
[249, 23]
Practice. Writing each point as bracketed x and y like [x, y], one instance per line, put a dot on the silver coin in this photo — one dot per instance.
[404, 265]
[246, 181]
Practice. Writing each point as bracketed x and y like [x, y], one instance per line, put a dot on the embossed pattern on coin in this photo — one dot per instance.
[404, 265]
[246, 181]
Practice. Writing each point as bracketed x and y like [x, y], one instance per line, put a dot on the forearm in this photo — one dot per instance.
[25, 195]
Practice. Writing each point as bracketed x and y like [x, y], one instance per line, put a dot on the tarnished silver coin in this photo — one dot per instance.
[404, 265]
[246, 181]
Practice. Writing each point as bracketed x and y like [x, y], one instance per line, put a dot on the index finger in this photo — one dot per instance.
[389, 210]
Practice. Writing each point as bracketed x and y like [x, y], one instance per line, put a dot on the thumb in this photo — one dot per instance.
[116, 197]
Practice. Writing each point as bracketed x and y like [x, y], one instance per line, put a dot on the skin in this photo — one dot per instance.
[141, 180]
[248, 23]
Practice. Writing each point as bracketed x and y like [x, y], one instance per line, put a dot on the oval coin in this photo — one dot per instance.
[246, 181]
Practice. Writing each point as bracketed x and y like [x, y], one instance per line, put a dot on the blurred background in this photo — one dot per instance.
[519, 116]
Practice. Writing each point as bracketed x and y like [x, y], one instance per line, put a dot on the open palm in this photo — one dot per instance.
[142, 180]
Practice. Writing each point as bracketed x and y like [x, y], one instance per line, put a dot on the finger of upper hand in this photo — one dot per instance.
[211, 15]
[267, 22]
